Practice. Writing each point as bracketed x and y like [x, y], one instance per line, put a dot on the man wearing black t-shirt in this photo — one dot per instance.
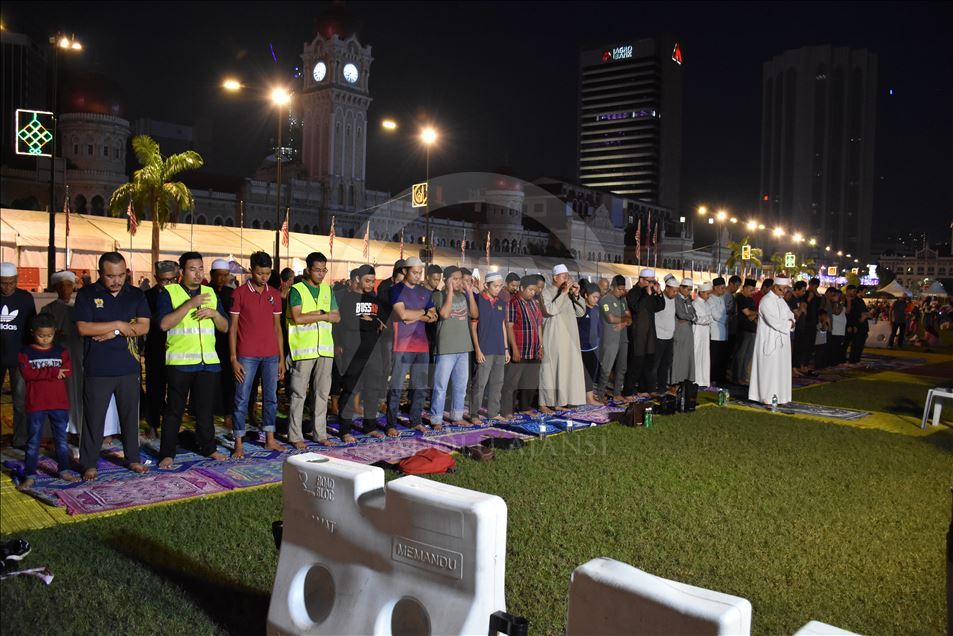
[17, 308]
[359, 329]
[747, 328]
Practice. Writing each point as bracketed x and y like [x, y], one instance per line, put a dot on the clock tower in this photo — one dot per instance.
[334, 100]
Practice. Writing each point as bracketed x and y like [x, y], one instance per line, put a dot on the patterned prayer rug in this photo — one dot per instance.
[814, 410]
[473, 437]
[155, 487]
[243, 473]
[391, 452]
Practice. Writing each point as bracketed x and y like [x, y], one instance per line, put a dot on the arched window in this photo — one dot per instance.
[201, 220]
[341, 193]
[229, 222]
[97, 205]
[296, 228]
[217, 221]
[255, 225]
[188, 218]
[506, 245]
[79, 204]
[267, 225]
[350, 196]
[306, 229]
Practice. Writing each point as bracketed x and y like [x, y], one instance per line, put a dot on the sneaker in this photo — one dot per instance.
[15, 550]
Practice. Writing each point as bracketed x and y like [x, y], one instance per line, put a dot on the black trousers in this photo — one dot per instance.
[362, 374]
[590, 362]
[154, 406]
[662, 364]
[203, 386]
[898, 330]
[97, 392]
[719, 360]
[520, 383]
[835, 349]
[857, 341]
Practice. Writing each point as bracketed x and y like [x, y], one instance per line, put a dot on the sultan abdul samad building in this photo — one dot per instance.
[324, 175]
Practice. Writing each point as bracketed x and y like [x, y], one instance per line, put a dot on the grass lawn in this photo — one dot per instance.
[805, 519]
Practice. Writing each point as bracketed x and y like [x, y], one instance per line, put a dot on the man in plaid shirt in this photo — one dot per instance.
[524, 323]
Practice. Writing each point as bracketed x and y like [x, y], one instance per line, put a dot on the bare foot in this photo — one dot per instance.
[419, 427]
[392, 432]
[593, 402]
[349, 439]
[300, 446]
[26, 484]
[475, 419]
[89, 474]
[275, 446]
[238, 453]
[165, 464]
[324, 441]
[136, 467]
[463, 422]
[438, 426]
[376, 434]
[545, 410]
[500, 418]
[70, 477]
[217, 456]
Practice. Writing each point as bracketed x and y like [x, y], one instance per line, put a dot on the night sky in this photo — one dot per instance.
[499, 81]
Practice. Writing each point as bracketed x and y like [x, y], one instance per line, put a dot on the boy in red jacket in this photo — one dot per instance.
[45, 367]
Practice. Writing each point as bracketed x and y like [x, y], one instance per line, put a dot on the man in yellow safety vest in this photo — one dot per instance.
[190, 313]
[312, 309]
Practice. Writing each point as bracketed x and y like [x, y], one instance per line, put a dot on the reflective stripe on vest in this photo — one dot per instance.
[312, 340]
[191, 341]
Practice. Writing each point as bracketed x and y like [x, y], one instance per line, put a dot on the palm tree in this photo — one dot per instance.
[152, 190]
[736, 249]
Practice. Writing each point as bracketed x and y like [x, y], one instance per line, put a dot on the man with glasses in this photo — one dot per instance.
[166, 272]
[312, 309]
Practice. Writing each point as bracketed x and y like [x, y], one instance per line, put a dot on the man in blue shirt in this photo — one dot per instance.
[201, 378]
[491, 351]
[111, 315]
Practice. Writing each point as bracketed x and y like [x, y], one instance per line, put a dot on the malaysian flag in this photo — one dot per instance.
[638, 242]
[655, 243]
[285, 237]
[402, 244]
[66, 210]
[133, 221]
[463, 248]
[367, 241]
[331, 239]
[488, 247]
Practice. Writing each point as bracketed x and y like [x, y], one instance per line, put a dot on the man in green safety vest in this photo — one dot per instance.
[190, 313]
[312, 309]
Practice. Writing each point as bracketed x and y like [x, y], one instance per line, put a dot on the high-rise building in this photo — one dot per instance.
[817, 144]
[630, 119]
[24, 83]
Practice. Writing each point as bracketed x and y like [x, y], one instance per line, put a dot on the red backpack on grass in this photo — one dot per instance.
[429, 461]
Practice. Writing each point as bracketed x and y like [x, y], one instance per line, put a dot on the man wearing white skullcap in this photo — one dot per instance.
[561, 379]
[643, 300]
[16, 311]
[220, 278]
[665, 332]
[771, 365]
[67, 336]
[683, 342]
[701, 331]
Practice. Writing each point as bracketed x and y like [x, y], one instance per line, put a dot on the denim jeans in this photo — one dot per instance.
[416, 363]
[453, 367]
[269, 393]
[58, 422]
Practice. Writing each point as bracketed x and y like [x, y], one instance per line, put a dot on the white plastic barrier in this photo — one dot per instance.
[609, 597]
[817, 628]
[418, 557]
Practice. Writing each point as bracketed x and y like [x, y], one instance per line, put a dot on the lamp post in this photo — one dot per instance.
[428, 136]
[66, 43]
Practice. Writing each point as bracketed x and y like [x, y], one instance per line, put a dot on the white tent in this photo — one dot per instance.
[895, 289]
[936, 289]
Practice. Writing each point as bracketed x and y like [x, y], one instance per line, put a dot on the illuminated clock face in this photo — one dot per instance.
[320, 70]
[350, 73]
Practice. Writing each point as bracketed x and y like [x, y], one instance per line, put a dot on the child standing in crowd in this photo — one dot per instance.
[590, 332]
[45, 367]
[820, 341]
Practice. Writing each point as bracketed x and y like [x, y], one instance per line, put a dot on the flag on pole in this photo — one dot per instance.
[66, 210]
[401, 243]
[488, 246]
[331, 239]
[285, 237]
[463, 248]
[655, 243]
[367, 241]
[133, 221]
[638, 242]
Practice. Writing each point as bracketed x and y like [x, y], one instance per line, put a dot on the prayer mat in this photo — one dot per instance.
[878, 362]
[813, 410]
[243, 473]
[97, 496]
[540, 425]
[942, 370]
[595, 414]
[473, 437]
[392, 452]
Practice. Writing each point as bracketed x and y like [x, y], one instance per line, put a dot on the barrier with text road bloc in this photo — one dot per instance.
[356, 557]
[609, 597]
[817, 628]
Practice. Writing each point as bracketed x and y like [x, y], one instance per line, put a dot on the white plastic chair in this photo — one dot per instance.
[933, 394]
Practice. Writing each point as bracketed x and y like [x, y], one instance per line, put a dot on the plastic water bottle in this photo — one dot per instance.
[722, 397]
[774, 404]
[647, 417]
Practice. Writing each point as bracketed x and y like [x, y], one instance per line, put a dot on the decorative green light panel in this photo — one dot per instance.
[34, 133]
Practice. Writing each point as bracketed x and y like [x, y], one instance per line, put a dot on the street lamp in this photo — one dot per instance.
[58, 42]
[389, 124]
[428, 136]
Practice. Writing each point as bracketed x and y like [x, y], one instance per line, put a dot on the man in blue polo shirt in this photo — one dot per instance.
[110, 316]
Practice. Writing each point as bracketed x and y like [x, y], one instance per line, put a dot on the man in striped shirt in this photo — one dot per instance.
[524, 324]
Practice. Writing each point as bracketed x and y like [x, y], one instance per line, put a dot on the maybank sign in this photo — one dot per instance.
[617, 53]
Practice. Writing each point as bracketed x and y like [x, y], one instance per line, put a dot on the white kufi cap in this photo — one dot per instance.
[219, 263]
[560, 269]
[688, 282]
[647, 273]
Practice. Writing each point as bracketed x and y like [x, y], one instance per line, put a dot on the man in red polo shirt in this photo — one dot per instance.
[255, 342]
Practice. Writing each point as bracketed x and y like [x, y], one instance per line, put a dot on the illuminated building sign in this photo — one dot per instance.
[617, 53]
[677, 54]
[629, 114]
[34, 133]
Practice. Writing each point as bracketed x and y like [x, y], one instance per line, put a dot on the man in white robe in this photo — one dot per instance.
[702, 332]
[771, 365]
[561, 379]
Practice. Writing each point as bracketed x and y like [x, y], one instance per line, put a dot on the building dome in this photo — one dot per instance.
[92, 93]
[337, 20]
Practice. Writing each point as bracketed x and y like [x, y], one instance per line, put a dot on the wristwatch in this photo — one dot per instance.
[116, 332]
